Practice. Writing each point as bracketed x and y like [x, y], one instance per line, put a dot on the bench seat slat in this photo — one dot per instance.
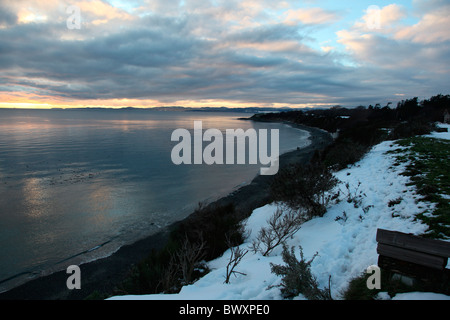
[411, 242]
[416, 257]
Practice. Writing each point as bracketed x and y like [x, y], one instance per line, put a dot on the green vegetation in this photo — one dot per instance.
[357, 289]
[297, 277]
[393, 283]
[429, 171]
[304, 188]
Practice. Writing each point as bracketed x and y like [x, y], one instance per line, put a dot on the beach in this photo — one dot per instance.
[105, 274]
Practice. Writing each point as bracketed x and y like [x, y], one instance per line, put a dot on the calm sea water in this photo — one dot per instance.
[75, 185]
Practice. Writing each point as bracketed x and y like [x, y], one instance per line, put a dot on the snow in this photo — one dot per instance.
[420, 296]
[412, 296]
[441, 135]
[345, 244]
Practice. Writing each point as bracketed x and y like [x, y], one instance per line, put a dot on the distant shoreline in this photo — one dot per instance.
[104, 274]
[249, 110]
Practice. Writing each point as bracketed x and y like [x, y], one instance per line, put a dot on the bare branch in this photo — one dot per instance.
[282, 225]
[188, 256]
[235, 258]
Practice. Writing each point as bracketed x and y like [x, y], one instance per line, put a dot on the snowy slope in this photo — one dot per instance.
[345, 243]
[441, 135]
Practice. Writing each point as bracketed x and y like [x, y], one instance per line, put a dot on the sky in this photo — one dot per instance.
[213, 53]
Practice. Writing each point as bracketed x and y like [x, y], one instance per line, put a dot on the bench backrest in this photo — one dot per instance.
[426, 252]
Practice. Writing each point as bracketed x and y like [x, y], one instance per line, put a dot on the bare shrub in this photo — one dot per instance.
[282, 225]
[169, 282]
[354, 195]
[237, 254]
[188, 257]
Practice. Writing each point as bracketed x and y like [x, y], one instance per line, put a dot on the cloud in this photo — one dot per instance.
[412, 56]
[7, 16]
[99, 12]
[432, 28]
[311, 16]
[258, 52]
[395, 44]
[162, 57]
[386, 17]
[327, 48]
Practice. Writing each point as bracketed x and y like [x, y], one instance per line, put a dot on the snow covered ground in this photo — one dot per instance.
[344, 237]
[441, 135]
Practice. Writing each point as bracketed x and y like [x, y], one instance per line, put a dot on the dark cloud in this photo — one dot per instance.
[7, 16]
[265, 34]
[170, 57]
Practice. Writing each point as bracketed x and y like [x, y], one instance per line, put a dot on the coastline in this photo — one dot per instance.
[104, 274]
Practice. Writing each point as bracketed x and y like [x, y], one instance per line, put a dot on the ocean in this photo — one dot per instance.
[76, 185]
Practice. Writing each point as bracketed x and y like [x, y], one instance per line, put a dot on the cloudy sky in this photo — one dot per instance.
[144, 53]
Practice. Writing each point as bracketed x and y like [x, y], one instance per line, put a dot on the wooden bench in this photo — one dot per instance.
[412, 255]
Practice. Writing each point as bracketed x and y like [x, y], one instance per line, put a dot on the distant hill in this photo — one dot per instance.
[180, 108]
